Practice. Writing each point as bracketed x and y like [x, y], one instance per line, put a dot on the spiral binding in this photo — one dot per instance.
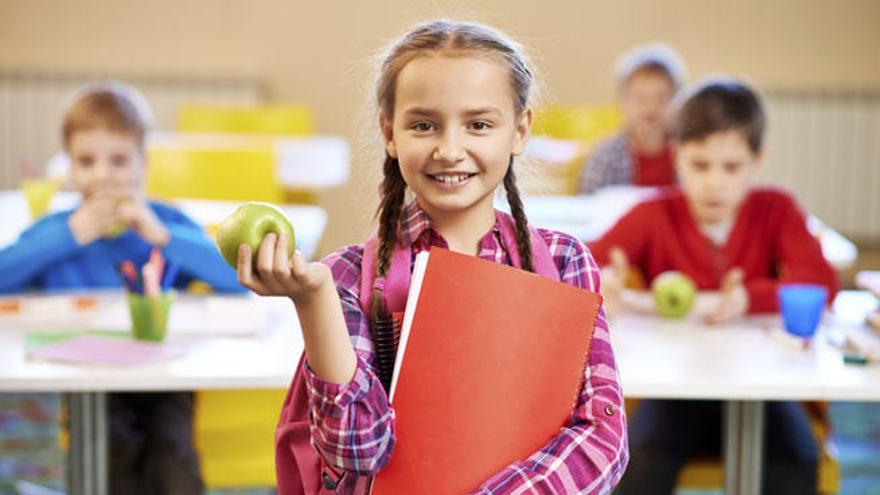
[386, 337]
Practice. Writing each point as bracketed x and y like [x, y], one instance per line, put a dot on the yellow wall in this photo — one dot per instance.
[317, 52]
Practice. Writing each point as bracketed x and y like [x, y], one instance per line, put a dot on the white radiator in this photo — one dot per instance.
[31, 106]
[825, 147]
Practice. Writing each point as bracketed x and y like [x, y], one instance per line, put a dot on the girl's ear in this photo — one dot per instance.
[388, 135]
[523, 131]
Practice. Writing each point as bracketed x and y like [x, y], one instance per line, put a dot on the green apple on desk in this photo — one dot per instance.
[674, 294]
[248, 225]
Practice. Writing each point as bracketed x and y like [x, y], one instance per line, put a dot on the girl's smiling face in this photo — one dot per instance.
[453, 131]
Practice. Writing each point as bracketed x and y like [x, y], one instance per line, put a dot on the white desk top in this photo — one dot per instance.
[588, 217]
[689, 360]
[308, 221]
[656, 358]
[264, 360]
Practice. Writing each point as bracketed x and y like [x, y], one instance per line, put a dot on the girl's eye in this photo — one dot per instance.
[481, 126]
[422, 126]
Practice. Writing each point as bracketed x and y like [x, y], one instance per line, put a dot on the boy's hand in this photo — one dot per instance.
[276, 275]
[137, 215]
[94, 218]
[734, 301]
[613, 281]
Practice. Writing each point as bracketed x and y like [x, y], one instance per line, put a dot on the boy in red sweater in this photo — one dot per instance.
[728, 236]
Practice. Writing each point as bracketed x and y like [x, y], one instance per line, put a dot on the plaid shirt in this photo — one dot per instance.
[611, 163]
[352, 425]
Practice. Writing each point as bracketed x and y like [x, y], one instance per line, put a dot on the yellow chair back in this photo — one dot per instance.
[237, 173]
[241, 119]
[586, 123]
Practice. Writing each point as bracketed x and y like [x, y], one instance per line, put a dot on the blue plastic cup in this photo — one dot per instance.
[801, 306]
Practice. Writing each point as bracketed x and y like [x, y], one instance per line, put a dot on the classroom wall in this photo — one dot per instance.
[317, 52]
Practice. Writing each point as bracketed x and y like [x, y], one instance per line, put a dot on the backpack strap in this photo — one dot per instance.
[395, 285]
[541, 257]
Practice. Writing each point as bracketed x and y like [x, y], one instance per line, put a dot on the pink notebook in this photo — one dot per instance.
[107, 351]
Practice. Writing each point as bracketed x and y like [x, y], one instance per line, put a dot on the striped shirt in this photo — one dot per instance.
[352, 425]
[611, 163]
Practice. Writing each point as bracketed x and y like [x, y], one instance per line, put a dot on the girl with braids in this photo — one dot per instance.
[453, 111]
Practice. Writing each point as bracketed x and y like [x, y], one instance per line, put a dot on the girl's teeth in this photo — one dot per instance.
[451, 179]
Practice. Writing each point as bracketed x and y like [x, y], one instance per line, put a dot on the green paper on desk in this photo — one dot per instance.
[37, 339]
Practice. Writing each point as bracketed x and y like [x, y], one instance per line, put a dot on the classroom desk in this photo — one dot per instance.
[743, 364]
[656, 358]
[308, 221]
[587, 217]
[264, 359]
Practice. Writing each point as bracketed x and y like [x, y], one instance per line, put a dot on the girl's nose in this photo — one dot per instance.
[449, 149]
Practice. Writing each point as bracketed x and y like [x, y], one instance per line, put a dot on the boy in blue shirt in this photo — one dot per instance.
[103, 133]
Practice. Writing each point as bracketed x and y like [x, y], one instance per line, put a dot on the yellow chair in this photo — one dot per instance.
[234, 429]
[586, 124]
[277, 120]
[240, 119]
[235, 436]
[245, 173]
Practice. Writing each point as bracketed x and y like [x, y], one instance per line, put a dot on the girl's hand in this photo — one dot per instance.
[276, 275]
[734, 300]
[94, 218]
[137, 215]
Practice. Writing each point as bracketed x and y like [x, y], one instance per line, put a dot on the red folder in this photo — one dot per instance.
[490, 365]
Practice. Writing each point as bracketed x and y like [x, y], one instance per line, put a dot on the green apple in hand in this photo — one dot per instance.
[118, 228]
[248, 225]
[674, 294]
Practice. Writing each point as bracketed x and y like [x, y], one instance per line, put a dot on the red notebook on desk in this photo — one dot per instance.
[490, 365]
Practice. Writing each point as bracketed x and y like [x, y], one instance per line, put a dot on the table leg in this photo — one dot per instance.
[743, 447]
[752, 446]
[732, 429]
[87, 453]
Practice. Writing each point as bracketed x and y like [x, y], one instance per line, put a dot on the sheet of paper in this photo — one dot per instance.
[107, 351]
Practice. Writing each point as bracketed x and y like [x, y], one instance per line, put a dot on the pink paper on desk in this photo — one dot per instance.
[107, 351]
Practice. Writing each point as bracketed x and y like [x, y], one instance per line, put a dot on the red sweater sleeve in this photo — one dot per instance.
[799, 257]
[630, 233]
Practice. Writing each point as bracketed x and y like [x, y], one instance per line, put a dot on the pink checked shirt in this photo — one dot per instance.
[352, 425]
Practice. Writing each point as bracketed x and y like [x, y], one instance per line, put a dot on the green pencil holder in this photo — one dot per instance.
[149, 316]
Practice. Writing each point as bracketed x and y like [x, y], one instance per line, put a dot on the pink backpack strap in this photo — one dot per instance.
[541, 257]
[395, 284]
